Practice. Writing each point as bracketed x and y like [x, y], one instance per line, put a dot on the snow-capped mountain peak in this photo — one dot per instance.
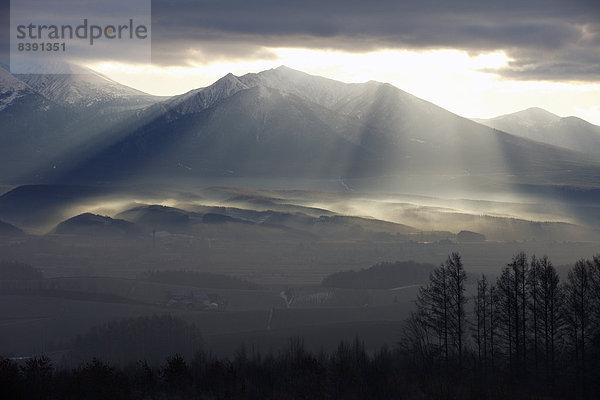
[82, 87]
[535, 115]
[11, 88]
[543, 126]
[199, 99]
[323, 91]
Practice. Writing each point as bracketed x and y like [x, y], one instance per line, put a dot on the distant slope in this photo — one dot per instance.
[31, 128]
[88, 224]
[537, 124]
[83, 88]
[12, 89]
[9, 230]
[385, 275]
[255, 132]
[45, 119]
[198, 279]
[156, 217]
[42, 205]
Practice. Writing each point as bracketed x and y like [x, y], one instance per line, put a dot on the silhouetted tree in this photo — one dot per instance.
[456, 278]
[176, 374]
[595, 277]
[37, 372]
[441, 309]
[513, 316]
[97, 380]
[549, 298]
[578, 315]
[505, 304]
[146, 338]
[433, 305]
[12, 384]
[416, 340]
[484, 328]
[12, 270]
[534, 289]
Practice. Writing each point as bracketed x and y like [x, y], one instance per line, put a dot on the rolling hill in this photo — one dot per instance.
[89, 224]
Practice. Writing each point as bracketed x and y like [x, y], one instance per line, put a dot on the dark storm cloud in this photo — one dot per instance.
[4, 31]
[542, 37]
[577, 63]
[73, 13]
[547, 39]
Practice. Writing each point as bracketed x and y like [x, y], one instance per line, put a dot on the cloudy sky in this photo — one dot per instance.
[476, 58]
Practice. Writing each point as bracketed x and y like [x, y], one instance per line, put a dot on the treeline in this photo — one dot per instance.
[349, 372]
[385, 275]
[17, 278]
[144, 338]
[525, 334]
[198, 279]
[13, 270]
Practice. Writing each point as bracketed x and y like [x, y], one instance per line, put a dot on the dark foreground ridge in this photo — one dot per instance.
[346, 373]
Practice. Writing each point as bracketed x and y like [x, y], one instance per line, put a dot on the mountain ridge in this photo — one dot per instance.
[85, 88]
[288, 124]
[45, 121]
[537, 124]
[268, 123]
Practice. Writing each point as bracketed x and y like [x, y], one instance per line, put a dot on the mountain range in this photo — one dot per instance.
[281, 124]
[540, 125]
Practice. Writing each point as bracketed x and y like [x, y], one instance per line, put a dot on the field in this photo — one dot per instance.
[48, 321]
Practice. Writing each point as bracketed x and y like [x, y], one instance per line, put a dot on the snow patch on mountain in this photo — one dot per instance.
[11, 88]
[344, 98]
[200, 99]
[323, 91]
[543, 126]
[84, 88]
